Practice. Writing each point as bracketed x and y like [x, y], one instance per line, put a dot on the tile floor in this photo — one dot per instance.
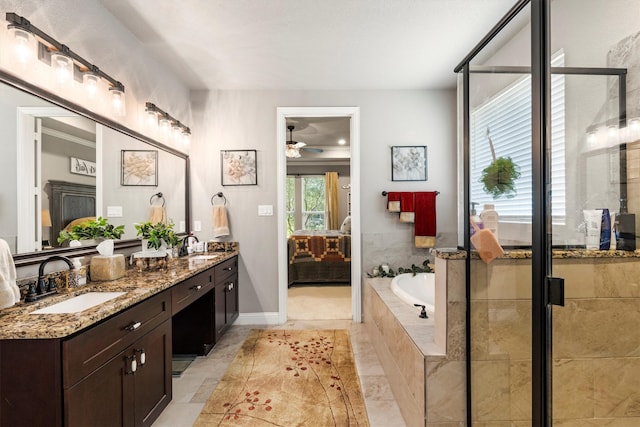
[193, 388]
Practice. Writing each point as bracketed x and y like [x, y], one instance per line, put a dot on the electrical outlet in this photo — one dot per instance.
[114, 211]
[265, 210]
[197, 226]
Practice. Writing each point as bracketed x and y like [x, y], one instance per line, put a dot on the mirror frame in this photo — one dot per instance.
[39, 256]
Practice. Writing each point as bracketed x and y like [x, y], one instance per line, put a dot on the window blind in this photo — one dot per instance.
[508, 117]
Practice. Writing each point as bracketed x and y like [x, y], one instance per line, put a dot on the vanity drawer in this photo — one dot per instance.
[190, 290]
[225, 269]
[93, 347]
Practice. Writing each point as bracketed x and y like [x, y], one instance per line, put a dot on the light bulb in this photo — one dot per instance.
[592, 139]
[62, 68]
[165, 125]
[23, 45]
[91, 82]
[176, 129]
[117, 101]
[152, 119]
[186, 137]
[342, 142]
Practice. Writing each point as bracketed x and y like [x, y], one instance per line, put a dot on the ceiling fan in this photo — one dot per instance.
[294, 147]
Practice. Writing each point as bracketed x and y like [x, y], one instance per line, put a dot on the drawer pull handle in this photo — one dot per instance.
[143, 356]
[197, 288]
[228, 268]
[133, 326]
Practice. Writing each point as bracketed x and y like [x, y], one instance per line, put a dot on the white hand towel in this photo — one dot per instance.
[8, 270]
[220, 221]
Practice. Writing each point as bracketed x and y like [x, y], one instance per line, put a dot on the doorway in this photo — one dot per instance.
[321, 113]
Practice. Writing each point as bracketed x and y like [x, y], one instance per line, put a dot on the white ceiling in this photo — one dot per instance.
[310, 44]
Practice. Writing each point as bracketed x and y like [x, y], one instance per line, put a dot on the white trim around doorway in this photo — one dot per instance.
[354, 114]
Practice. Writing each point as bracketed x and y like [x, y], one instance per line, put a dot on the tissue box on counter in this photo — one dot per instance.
[110, 267]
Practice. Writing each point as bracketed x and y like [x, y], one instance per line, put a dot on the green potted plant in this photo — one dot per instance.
[156, 235]
[92, 229]
[499, 177]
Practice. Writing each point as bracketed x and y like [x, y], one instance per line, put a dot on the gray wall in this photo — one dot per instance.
[247, 120]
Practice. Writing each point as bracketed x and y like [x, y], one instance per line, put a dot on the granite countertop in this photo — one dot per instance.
[453, 254]
[18, 322]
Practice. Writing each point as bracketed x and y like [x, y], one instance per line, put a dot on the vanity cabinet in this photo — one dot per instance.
[119, 372]
[212, 298]
[226, 295]
[91, 378]
[131, 389]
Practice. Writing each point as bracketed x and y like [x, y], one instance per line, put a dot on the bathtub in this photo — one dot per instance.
[418, 289]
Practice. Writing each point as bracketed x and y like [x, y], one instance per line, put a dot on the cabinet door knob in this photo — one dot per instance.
[133, 326]
[133, 365]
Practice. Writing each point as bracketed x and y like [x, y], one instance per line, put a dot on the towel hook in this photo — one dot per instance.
[159, 196]
[219, 194]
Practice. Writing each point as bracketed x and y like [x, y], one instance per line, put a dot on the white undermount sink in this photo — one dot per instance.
[204, 257]
[79, 303]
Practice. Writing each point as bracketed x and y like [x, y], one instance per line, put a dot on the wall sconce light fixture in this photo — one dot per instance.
[167, 124]
[65, 63]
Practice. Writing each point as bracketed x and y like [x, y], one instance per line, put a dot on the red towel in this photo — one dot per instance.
[393, 201]
[425, 221]
[406, 207]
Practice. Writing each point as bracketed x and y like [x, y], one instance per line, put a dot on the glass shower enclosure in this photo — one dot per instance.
[549, 139]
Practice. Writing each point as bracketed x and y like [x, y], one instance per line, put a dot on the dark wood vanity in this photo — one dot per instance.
[118, 370]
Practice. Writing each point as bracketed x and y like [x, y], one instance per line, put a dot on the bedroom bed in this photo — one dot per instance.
[319, 257]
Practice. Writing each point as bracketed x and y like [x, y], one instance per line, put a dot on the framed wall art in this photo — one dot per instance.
[140, 167]
[409, 163]
[239, 167]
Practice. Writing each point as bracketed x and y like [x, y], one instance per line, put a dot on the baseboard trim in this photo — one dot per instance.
[264, 318]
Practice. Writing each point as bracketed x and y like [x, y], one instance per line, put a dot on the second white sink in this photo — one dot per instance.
[79, 303]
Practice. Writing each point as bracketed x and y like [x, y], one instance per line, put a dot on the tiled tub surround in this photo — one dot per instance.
[423, 358]
[16, 322]
[596, 351]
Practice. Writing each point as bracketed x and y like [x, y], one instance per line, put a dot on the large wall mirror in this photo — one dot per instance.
[61, 162]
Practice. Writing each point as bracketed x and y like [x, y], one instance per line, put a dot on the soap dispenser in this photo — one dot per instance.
[490, 218]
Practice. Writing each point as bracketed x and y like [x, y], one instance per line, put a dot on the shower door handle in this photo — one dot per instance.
[555, 290]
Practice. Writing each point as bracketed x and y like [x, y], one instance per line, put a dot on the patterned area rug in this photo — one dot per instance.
[289, 378]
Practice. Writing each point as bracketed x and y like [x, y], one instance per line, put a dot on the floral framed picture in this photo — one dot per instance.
[239, 167]
[140, 167]
[409, 163]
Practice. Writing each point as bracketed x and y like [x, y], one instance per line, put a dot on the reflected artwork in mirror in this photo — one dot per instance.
[73, 171]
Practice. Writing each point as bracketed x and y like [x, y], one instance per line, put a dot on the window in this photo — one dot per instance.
[305, 203]
[508, 116]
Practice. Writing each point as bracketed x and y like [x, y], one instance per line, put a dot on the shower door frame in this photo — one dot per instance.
[541, 247]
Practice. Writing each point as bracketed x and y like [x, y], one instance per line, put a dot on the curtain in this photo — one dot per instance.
[331, 200]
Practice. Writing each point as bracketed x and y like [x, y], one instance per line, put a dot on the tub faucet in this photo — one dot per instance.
[423, 312]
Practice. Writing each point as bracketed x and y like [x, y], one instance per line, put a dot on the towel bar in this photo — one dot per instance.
[219, 194]
[159, 196]
[384, 193]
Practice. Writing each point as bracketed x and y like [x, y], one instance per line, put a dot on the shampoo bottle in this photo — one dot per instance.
[490, 219]
[475, 219]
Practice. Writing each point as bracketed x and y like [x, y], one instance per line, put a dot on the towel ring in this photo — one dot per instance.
[219, 194]
[159, 196]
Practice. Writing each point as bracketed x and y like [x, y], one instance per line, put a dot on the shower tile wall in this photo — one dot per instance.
[596, 346]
